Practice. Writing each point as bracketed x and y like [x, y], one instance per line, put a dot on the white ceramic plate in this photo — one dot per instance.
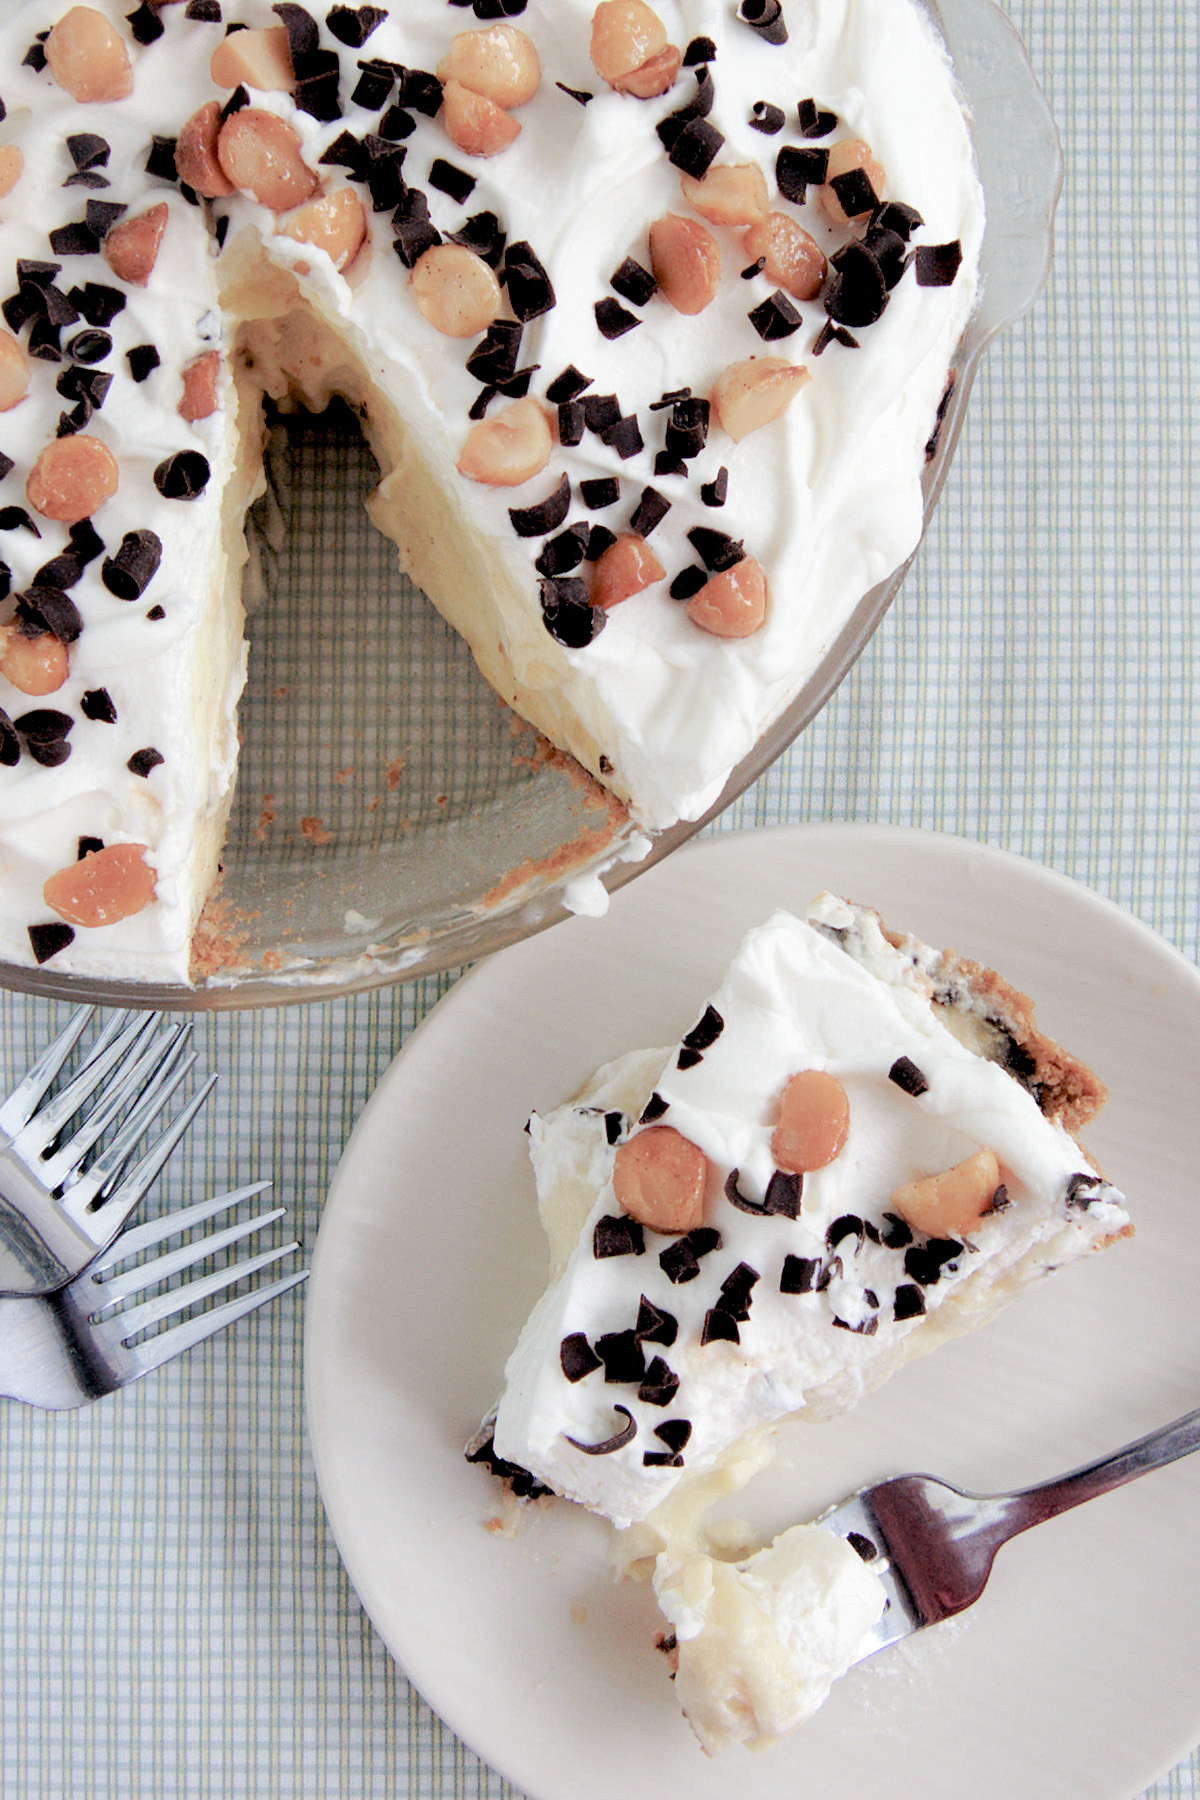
[1076, 1673]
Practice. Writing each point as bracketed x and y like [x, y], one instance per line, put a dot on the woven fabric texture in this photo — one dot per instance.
[176, 1624]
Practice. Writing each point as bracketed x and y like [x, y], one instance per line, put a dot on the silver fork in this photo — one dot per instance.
[933, 1545]
[69, 1347]
[55, 1212]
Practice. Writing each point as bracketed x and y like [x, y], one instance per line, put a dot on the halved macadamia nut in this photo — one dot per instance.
[14, 372]
[131, 247]
[87, 57]
[256, 59]
[455, 290]
[261, 154]
[814, 1121]
[102, 887]
[659, 1178]
[499, 62]
[732, 604]
[730, 194]
[72, 478]
[475, 123]
[36, 662]
[750, 394]
[625, 568]
[11, 165]
[196, 161]
[629, 48]
[844, 158]
[510, 447]
[686, 260]
[947, 1204]
[792, 260]
[200, 387]
[336, 223]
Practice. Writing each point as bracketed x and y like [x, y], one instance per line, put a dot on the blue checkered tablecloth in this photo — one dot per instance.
[175, 1621]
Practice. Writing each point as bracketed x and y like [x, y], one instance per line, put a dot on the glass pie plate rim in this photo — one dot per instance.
[1020, 165]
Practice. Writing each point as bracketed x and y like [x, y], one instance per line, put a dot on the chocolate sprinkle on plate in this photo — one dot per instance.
[796, 170]
[601, 491]
[548, 515]
[938, 264]
[616, 1442]
[767, 118]
[650, 511]
[613, 319]
[143, 761]
[47, 940]
[182, 476]
[576, 1357]
[766, 18]
[799, 1274]
[775, 317]
[633, 282]
[905, 1073]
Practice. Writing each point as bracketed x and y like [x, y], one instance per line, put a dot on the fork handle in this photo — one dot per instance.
[1029, 1506]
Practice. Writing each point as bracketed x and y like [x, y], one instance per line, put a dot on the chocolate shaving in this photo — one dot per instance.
[767, 118]
[559, 555]
[450, 180]
[687, 583]
[74, 239]
[814, 122]
[548, 515]
[142, 761]
[938, 264]
[98, 303]
[796, 170]
[799, 1274]
[568, 386]
[89, 346]
[130, 571]
[483, 234]
[624, 436]
[374, 86]
[616, 1442]
[145, 24]
[674, 1433]
[614, 320]
[855, 192]
[864, 1328]
[896, 1232]
[698, 107]
[47, 940]
[660, 1384]
[353, 25]
[706, 1031]
[889, 250]
[87, 846]
[833, 334]
[530, 293]
[494, 358]
[848, 1225]
[716, 551]
[568, 614]
[1083, 1189]
[895, 216]
[720, 1327]
[88, 150]
[857, 292]
[633, 282]
[1001, 1199]
[576, 1357]
[614, 1125]
[53, 611]
[12, 517]
[572, 421]
[940, 416]
[753, 269]
[665, 464]
[650, 511]
[10, 744]
[208, 12]
[905, 1073]
[182, 476]
[766, 18]
[700, 50]
[44, 725]
[602, 491]
[62, 571]
[622, 1355]
[654, 1108]
[735, 1196]
[655, 1326]
[783, 1193]
[775, 317]
[97, 705]
[421, 89]
[580, 94]
[909, 1302]
[695, 148]
[143, 359]
[687, 428]
[715, 492]
[736, 1291]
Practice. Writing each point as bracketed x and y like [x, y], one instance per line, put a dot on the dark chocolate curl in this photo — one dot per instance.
[536, 521]
[766, 18]
[130, 571]
[616, 1442]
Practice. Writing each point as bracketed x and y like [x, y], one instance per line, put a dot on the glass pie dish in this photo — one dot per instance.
[392, 818]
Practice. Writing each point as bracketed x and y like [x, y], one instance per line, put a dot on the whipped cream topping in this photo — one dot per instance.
[760, 1642]
[827, 498]
[652, 1357]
